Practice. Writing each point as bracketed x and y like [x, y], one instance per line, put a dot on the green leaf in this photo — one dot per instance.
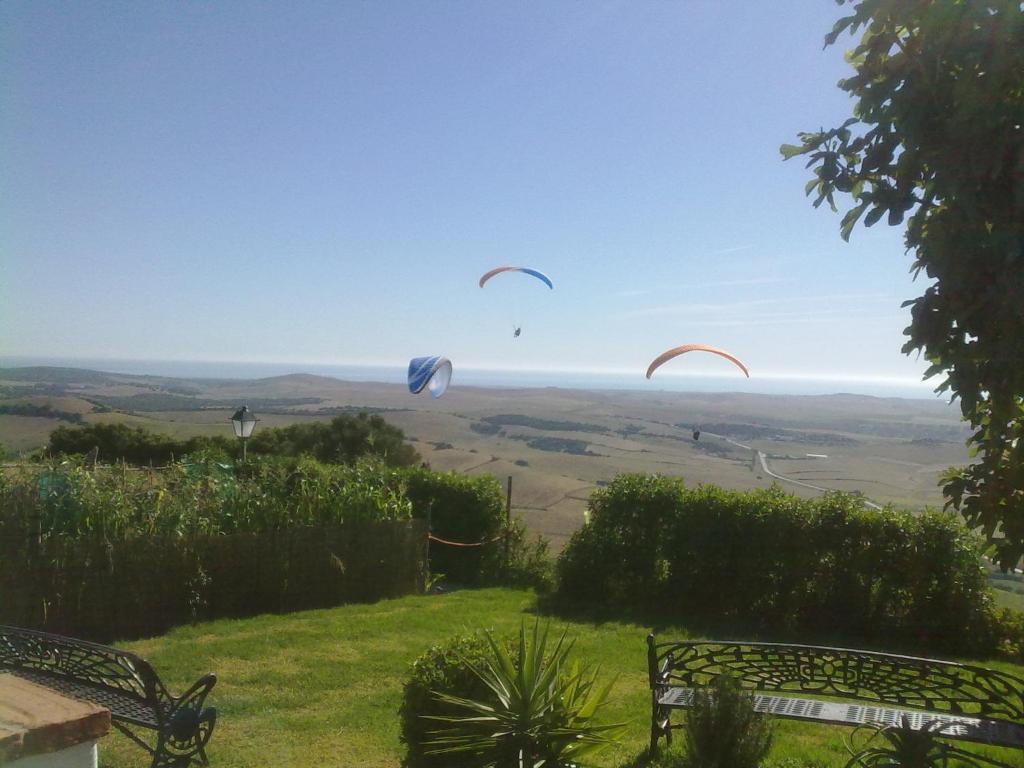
[874, 215]
[791, 150]
[850, 220]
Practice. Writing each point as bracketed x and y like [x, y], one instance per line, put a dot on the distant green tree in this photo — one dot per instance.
[341, 441]
[937, 135]
[135, 445]
[115, 442]
[45, 411]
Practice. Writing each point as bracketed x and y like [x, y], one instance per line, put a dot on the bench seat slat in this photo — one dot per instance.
[122, 705]
[994, 732]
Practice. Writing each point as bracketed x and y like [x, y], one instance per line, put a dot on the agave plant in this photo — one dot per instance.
[539, 712]
[906, 748]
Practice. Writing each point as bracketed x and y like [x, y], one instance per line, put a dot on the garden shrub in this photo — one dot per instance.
[189, 497]
[734, 556]
[767, 561]
[1008, 631]
[462, 509]
[119, 553]
[619, 556]
[81, 517]
[722, 730]
[528, 565]
[443, 668]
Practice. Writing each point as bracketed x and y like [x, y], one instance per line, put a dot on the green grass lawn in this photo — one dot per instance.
[323, 688]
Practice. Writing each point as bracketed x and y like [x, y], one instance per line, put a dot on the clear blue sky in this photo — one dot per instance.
[325, 182]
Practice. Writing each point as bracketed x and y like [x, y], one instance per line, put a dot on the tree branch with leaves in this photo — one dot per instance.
[936, 144]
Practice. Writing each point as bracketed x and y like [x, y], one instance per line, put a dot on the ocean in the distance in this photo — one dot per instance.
[775, 385]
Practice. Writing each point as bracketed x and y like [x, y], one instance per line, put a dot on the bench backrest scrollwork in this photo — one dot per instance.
[927, 684]
[98, 665]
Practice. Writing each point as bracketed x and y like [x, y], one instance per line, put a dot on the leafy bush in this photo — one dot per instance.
[619, 556]
[444, 668]
[270, 494]
[79, 517]
[722, 730]
[528, 564]
[769, 561]
[539, 709]
[70, 500]
[286, 536]
[1008, 628]
[462, 509]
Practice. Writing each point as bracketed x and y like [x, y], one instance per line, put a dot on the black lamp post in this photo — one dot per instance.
[243, 423]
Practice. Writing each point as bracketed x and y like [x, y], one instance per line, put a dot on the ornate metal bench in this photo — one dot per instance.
[121, 682]
[973, 703]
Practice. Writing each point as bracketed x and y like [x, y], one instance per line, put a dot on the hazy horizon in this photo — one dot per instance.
[486, 376]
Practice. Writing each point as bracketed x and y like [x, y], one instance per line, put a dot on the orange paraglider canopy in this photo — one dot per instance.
[675, 352]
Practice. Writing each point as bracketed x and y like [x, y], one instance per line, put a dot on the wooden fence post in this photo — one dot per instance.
[508, 518]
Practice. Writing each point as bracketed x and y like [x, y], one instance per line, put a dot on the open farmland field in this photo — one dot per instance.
[558, 445]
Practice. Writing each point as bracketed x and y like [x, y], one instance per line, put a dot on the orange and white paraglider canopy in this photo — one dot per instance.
[664, 357]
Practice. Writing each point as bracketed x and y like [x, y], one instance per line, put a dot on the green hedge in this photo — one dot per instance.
[117, 503]
[463, 509]
[114, 553]
[824, 569]
[70, 534]
[105, 590]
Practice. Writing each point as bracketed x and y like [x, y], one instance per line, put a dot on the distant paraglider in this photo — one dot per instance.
[514, 295]
[434, 373]
[664, 357]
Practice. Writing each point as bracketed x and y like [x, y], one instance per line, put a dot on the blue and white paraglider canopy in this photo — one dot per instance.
[434, 373]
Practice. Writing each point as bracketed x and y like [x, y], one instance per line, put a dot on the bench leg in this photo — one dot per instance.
[162, 758]
[183, 750]
[659, 727]
[187, 730]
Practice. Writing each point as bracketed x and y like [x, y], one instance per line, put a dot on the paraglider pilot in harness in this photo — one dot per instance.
[516, 334]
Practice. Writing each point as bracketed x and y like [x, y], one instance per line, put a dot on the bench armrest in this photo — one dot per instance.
[188, 724]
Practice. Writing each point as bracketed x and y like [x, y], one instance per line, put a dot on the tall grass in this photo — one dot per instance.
[72, 500]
